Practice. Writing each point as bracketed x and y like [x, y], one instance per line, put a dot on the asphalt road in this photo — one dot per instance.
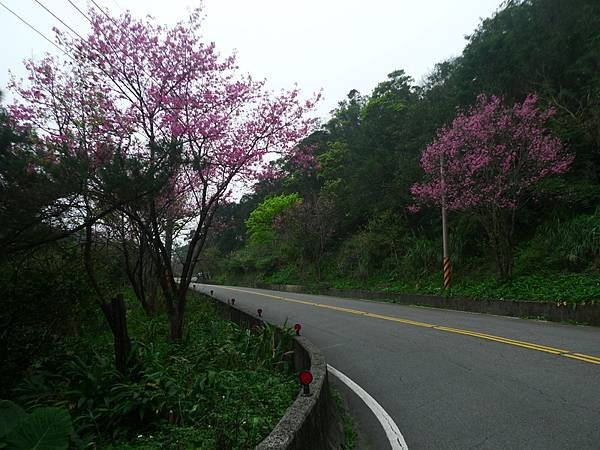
[451, 379]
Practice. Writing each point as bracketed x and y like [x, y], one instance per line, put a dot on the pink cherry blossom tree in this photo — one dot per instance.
[487, 161]
[189, 119]
[76, 134]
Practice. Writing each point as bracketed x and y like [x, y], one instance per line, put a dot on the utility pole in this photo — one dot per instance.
[446, 262]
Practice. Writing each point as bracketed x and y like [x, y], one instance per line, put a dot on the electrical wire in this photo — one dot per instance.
[80, 11]
[59, 19]
[35, 29]
[118, 6]
[101, 9]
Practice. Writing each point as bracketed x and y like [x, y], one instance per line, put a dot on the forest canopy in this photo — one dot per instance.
[369, 155]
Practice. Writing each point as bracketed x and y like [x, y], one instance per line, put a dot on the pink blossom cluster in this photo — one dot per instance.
[490, 156]
[134, 84]
[304, 158]
[69, 110]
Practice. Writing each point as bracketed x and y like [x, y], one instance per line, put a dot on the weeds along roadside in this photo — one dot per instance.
[222, 387]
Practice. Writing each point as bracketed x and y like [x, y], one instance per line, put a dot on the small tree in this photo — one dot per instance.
[178, 114]
[260, 223]
[492, 156]
[308, 228]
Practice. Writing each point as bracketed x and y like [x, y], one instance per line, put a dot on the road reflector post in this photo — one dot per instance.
[305, 379]
[447, 273]
[211, 292]
[297, 328]
[259, 311]
[233, 301]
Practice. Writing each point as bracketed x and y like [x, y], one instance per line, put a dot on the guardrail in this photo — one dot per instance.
[306, 423]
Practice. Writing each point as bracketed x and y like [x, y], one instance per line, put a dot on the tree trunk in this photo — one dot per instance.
[151, 289]
[169, 238]
[176, 320]
[142, 275]
[176, 315]
[117, 319]
[499, 227]
[114, 312]
[504, 258]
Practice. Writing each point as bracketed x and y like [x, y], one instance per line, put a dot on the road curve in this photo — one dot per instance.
[452, 379]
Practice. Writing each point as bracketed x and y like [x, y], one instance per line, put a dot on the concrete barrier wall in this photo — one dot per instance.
[588, 314]
[306, 423]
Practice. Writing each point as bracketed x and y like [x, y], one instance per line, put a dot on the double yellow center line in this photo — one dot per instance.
[540, 348]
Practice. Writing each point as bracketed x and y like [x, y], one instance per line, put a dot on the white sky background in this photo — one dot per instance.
[334, 45]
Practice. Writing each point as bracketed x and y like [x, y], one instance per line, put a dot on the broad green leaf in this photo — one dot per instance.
[44, 429]
[10, 415]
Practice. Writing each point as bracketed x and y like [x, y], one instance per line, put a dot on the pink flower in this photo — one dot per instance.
[491, 155]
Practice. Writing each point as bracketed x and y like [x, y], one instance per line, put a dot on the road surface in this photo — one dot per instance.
[451, 379]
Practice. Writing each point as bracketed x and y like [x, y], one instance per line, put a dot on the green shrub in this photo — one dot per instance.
[45, 297]
[541, 286]
[380, 246]
[223, 387]
[288, 274]
[573, 245]
[422, 256]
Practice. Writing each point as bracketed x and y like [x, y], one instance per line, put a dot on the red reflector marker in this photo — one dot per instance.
[305, 380]
[305, 377]
[297, 328]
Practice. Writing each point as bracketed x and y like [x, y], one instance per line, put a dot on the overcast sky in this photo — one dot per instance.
[334, 45]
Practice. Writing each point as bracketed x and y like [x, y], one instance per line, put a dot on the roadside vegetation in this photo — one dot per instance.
[346, 421]
[513, 124]
[118, 161]
[220, 387]
[113, 153]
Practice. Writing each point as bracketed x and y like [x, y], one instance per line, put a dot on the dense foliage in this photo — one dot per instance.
[541, 56]
[488, 162]
[134, 145]
[158, 127]
[222, 387]
[111, 153]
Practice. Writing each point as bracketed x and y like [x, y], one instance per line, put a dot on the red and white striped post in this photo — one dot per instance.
[446, 262]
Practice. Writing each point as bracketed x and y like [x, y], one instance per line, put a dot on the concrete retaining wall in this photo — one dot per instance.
[588, 314]
[306, 423]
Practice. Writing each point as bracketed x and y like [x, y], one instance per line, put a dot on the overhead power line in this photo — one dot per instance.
[102, 9]
[143, 69]
[118, 6]
[80, 11]
[35, 29]
[59, 19]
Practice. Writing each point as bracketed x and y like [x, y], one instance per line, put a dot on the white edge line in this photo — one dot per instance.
[392, 432]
